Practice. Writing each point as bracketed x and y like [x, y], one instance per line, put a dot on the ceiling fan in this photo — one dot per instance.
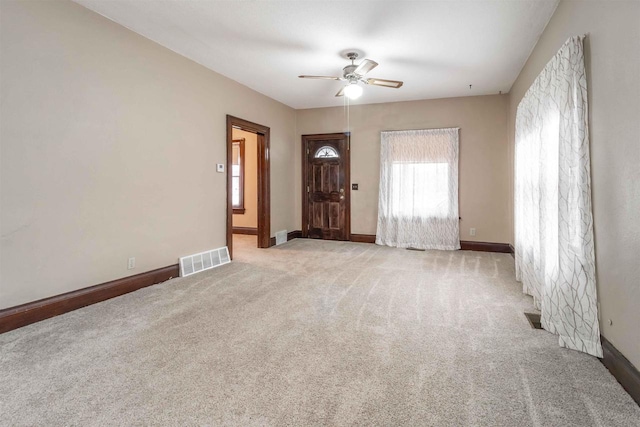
[355, 73]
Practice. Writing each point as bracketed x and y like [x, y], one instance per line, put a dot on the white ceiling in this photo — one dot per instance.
[438, 48]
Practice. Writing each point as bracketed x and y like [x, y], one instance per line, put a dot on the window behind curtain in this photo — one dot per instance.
[420, 190]
[418, 202]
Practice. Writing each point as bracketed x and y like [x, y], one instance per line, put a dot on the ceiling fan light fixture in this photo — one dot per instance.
[353, 91]
[354, 74]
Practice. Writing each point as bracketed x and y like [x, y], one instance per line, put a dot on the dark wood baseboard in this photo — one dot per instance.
[620, 367]
[295, 234]
[466, 245]
[512, 250]
[363, 238]
[245, 230]
[25, 314]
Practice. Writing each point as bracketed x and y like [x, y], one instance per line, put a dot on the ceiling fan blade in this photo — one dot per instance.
[386, 83]
[320, 77]
[364, 67]
[340, 92]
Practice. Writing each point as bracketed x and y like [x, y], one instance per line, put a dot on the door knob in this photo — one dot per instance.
[342, 190]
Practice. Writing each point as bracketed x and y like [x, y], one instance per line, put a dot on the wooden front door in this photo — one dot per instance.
[326, 196]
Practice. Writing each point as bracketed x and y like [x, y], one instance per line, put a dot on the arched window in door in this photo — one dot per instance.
[326, 151]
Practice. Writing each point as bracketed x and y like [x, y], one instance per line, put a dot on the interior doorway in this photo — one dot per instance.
[326, 196]
[248, 187]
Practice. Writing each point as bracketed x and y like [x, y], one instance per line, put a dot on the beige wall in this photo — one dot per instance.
[612, 56]
[250, 216]
[108, 151]
[483, 185]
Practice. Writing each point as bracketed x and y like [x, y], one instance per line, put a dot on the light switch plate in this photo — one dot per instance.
[220, 167]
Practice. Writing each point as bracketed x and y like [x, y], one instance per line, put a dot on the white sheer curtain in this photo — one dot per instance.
[555, 258]
[418, 199]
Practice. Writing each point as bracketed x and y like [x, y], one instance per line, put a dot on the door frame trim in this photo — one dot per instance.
[347, 177]
[264, 177]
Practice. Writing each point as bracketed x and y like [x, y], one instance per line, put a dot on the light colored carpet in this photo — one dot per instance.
[311, 333]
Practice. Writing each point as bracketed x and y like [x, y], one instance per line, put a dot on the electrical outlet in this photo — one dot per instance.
[472, 232]
[131, 264]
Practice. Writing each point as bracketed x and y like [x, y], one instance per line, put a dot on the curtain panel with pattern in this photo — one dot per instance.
[418, 199]
[554, 248]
